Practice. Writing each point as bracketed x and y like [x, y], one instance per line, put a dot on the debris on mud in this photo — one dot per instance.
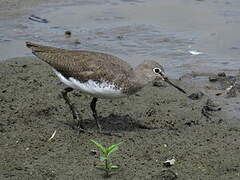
[209, 107]
[169, 162]
[37, 19]
[68, 34]
[196, 96]
[229, 83]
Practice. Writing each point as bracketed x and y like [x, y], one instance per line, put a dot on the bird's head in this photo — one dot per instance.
[150, 71]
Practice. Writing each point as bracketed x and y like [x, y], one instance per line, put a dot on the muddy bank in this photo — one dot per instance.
[223, 87]
[202, 141]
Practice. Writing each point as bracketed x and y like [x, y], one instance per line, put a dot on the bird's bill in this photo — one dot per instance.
[169, 82]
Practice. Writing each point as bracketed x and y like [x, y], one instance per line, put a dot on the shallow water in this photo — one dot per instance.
[136, 30]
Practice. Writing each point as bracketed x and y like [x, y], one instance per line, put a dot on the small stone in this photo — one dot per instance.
[77, 41]
[213, 78]
[222, 74]
[93, 152]
[196, 96]
[120, 37]
[68, 34]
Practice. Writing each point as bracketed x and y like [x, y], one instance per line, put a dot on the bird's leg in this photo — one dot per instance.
[75, 113]
[93, 108]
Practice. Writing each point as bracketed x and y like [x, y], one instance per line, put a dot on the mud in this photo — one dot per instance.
[31, 109]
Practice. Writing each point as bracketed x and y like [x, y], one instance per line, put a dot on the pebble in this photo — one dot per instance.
[222, 74]
[213, 78]
[196, 96]
[93, 152]
[68, 34]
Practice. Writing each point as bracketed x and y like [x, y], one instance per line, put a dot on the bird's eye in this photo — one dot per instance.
[157, 70]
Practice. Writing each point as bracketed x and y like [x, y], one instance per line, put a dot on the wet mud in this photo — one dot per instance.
[157, 124]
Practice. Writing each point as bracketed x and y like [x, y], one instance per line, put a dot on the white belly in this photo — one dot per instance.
[96, 89]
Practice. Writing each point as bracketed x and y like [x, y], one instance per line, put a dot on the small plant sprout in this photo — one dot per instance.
[105, 158]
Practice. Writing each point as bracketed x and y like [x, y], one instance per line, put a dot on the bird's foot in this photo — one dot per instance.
[75, 113]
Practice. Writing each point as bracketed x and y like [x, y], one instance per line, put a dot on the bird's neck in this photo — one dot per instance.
[140, 77]
[136, 82]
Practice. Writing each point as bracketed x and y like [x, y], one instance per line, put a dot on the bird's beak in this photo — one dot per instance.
[165, 78]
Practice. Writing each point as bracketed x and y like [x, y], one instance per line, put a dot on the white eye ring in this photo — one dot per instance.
[157, 70]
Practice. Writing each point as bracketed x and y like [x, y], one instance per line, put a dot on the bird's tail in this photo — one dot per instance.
[40, 48]
[31, 45]
[50, 55]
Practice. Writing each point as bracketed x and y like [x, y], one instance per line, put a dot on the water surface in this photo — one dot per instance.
[136, 30]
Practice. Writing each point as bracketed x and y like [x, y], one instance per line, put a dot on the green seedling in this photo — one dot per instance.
[107, 166]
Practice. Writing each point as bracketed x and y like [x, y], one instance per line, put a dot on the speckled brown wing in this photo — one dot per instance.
[84, 65]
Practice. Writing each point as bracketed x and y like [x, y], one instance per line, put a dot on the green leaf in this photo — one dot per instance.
[102, 158]
[114, 167]
[103, 149]
[113, 148]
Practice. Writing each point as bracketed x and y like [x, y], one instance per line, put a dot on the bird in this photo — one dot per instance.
[98, 74]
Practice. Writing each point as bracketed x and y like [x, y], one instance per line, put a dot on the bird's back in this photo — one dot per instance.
[82, 64]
